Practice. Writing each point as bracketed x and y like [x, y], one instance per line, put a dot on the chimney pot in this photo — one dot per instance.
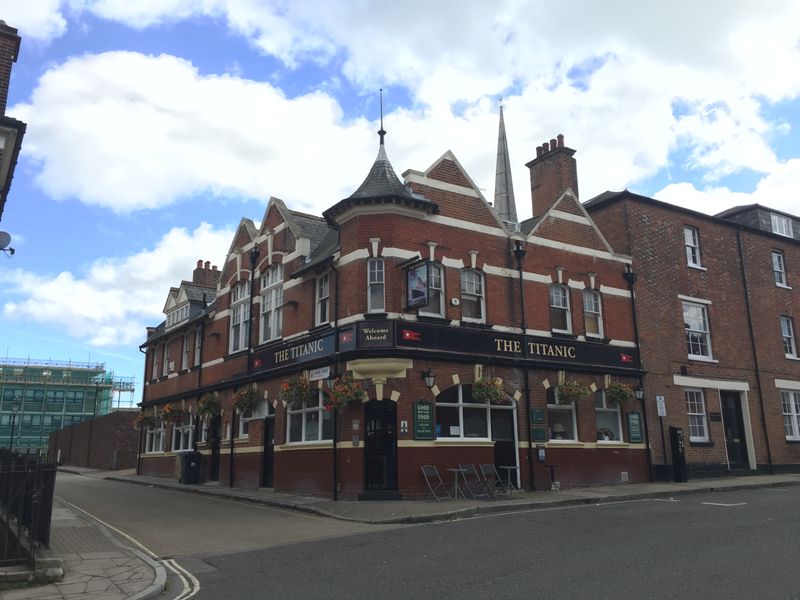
[553, 144]
[214, 268]
[199, 264]
[539, 151]
[560, 138]
[545, 148]
[208, 264]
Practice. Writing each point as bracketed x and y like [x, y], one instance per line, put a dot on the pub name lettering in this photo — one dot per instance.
[535, 348]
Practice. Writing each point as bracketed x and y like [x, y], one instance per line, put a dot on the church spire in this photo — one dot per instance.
[504, 204]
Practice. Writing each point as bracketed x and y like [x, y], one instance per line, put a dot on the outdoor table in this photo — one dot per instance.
[509, 469]
[456, 488]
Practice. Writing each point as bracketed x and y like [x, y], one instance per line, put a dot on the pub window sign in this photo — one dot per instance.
[417, 284]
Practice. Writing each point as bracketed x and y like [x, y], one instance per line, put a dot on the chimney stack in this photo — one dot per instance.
[553, 172]
[206, 275]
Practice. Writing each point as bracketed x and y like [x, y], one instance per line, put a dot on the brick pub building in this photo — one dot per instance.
[420, 291]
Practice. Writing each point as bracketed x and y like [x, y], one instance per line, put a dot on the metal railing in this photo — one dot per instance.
[26, 506]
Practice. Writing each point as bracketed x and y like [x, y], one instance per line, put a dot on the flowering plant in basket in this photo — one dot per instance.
[145, 420]
[173, 413]
[571, 391]
[246, 400]
[488, 389]
[619, 393]
[209, 405]
[295, 390]
[345, 391]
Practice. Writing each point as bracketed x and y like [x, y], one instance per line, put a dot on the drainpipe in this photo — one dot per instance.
[630, 277]
[334, 366]
[519, 254]
[199, 360]
[753, 348]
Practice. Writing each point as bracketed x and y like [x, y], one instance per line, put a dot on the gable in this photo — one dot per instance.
[567, 222]
[449, 172]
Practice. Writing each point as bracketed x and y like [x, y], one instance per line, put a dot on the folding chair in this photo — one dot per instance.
[435, 484]
[493, 479]
[475, 485]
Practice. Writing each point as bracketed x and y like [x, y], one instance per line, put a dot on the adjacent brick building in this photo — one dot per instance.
[423, 293]
[716, 301]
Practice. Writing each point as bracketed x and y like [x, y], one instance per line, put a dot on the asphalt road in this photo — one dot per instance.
[688, 548]
[739, 544]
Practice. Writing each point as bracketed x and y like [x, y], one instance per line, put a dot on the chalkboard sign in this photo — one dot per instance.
[538, 434]
[537, 415]
[423, 420]
[635, 428]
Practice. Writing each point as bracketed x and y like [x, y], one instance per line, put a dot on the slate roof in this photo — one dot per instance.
[313, 227]
[321, 254]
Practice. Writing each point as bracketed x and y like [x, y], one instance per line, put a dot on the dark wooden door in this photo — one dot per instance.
[380, 445]
[735, 440]
[214, 437]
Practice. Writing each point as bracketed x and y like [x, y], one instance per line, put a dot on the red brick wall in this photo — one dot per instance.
[105, 442]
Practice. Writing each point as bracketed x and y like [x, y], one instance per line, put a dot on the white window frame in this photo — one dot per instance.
[593, 305]
[183, 434]
[601, 407]
[697, 337]
[322, 303]
[696, 413]
[240, 317]
[473, 290]
[779, 268]
[787, 336]
[781, 225]
[691, 239]
[154, 438]
[461, 404]
[156, 362]
[165, 359]
[309, 408]
[244, 423]
[272, 303]
[553, 406]
[435, 305]
[376, 282]
[790, 407]
[198, 345]
[186, 344]
[559, 300]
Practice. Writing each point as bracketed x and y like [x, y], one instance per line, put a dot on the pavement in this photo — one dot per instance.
[99, 564]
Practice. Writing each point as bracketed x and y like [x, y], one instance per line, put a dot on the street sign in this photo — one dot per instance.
[662, 406]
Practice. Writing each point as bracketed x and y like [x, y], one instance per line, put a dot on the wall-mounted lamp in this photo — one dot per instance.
[629, 275]
[638, 392]
[429, 378]
[331, 379]
[519, 251]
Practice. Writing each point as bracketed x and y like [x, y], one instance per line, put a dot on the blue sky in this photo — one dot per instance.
[154, 126]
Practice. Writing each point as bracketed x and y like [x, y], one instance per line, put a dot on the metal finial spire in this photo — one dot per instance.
[381, 133]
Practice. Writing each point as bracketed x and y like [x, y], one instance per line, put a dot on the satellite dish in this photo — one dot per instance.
[5, 240]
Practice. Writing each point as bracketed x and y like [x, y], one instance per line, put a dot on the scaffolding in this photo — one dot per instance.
[38, 397]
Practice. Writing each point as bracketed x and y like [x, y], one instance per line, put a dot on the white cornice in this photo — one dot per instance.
[413, 177]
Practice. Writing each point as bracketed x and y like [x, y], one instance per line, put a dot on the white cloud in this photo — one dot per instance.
[113, 302]
[40, 21]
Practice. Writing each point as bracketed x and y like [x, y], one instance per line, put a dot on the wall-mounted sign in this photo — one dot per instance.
[423, 420]
[538, 434]
[635, 435]
[417, 285]
[319, 373]
[537, 415]
[661, 406]
[715, 416]
[375, 335]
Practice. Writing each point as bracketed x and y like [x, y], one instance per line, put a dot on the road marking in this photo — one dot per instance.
[721, 504]
[190, 586]
[666, 500]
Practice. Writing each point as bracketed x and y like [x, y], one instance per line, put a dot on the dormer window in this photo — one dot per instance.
[178, 315]
[781, 225]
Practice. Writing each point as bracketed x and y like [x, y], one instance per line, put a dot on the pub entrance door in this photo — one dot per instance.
[380, 447]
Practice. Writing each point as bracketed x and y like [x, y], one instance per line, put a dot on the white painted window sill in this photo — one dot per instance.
[702, 359]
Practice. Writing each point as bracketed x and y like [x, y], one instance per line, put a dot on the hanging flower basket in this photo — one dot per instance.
[209, 405]
[145, 420]
[571, 391]
[619, 394]
[296, 389]
[345, 391]
[489, 390]
[174, 414]
[246, 400]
